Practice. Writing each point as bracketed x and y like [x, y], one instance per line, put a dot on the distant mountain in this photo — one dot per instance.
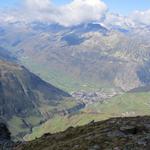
[39, 26]
[7, 55]
[25, 99]
[86, 27]
[87, 56]
[89, 27]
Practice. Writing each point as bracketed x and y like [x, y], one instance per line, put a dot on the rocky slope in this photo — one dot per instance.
[115, 133]
[5, 138]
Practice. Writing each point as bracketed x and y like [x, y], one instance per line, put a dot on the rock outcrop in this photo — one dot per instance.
[5, 138]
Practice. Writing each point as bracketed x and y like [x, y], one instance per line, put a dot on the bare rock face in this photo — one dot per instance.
[4, 132]
[115, 134]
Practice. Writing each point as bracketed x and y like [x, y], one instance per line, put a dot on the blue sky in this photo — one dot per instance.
[8, 3]
[117, 6]
[127, 6]
[12, 3]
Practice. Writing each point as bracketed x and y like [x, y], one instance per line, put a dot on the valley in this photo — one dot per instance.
[124, 105]
[74, 75]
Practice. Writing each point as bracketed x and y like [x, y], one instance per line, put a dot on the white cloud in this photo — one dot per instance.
[7, 16]
[137, 19]
[73, 13]
[79, 11]
[38, 4]
[117, 20]
[141, 17]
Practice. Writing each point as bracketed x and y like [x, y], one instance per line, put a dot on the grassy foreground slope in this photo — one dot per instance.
[128, 104]
[113, 134]
[59, 123]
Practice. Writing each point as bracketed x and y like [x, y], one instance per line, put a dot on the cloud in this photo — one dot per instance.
[73, 13]
[38, 4]
[137, 19]
[80, 11]
[116, 20]
[141, 17]
[7, 16]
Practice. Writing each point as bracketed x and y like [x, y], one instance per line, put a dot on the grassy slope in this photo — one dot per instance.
[133, 103]
[118, 133]
[59, 123]
[129, 104]
[16, 124]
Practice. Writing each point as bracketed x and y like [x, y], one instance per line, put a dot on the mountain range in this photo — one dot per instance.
[53, 77]
[87, 56]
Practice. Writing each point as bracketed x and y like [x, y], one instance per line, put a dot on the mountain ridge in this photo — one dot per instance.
[25, 98]
[76, 56]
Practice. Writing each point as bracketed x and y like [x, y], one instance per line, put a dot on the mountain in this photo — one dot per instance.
[7, 55]
[115, 133]
[87, 61]
[26, 100]
[88, 56]
[19, 86]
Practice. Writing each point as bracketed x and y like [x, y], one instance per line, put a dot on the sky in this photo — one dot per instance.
[127, 6]
[117, 6]
[12, 3]
[8, 3]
